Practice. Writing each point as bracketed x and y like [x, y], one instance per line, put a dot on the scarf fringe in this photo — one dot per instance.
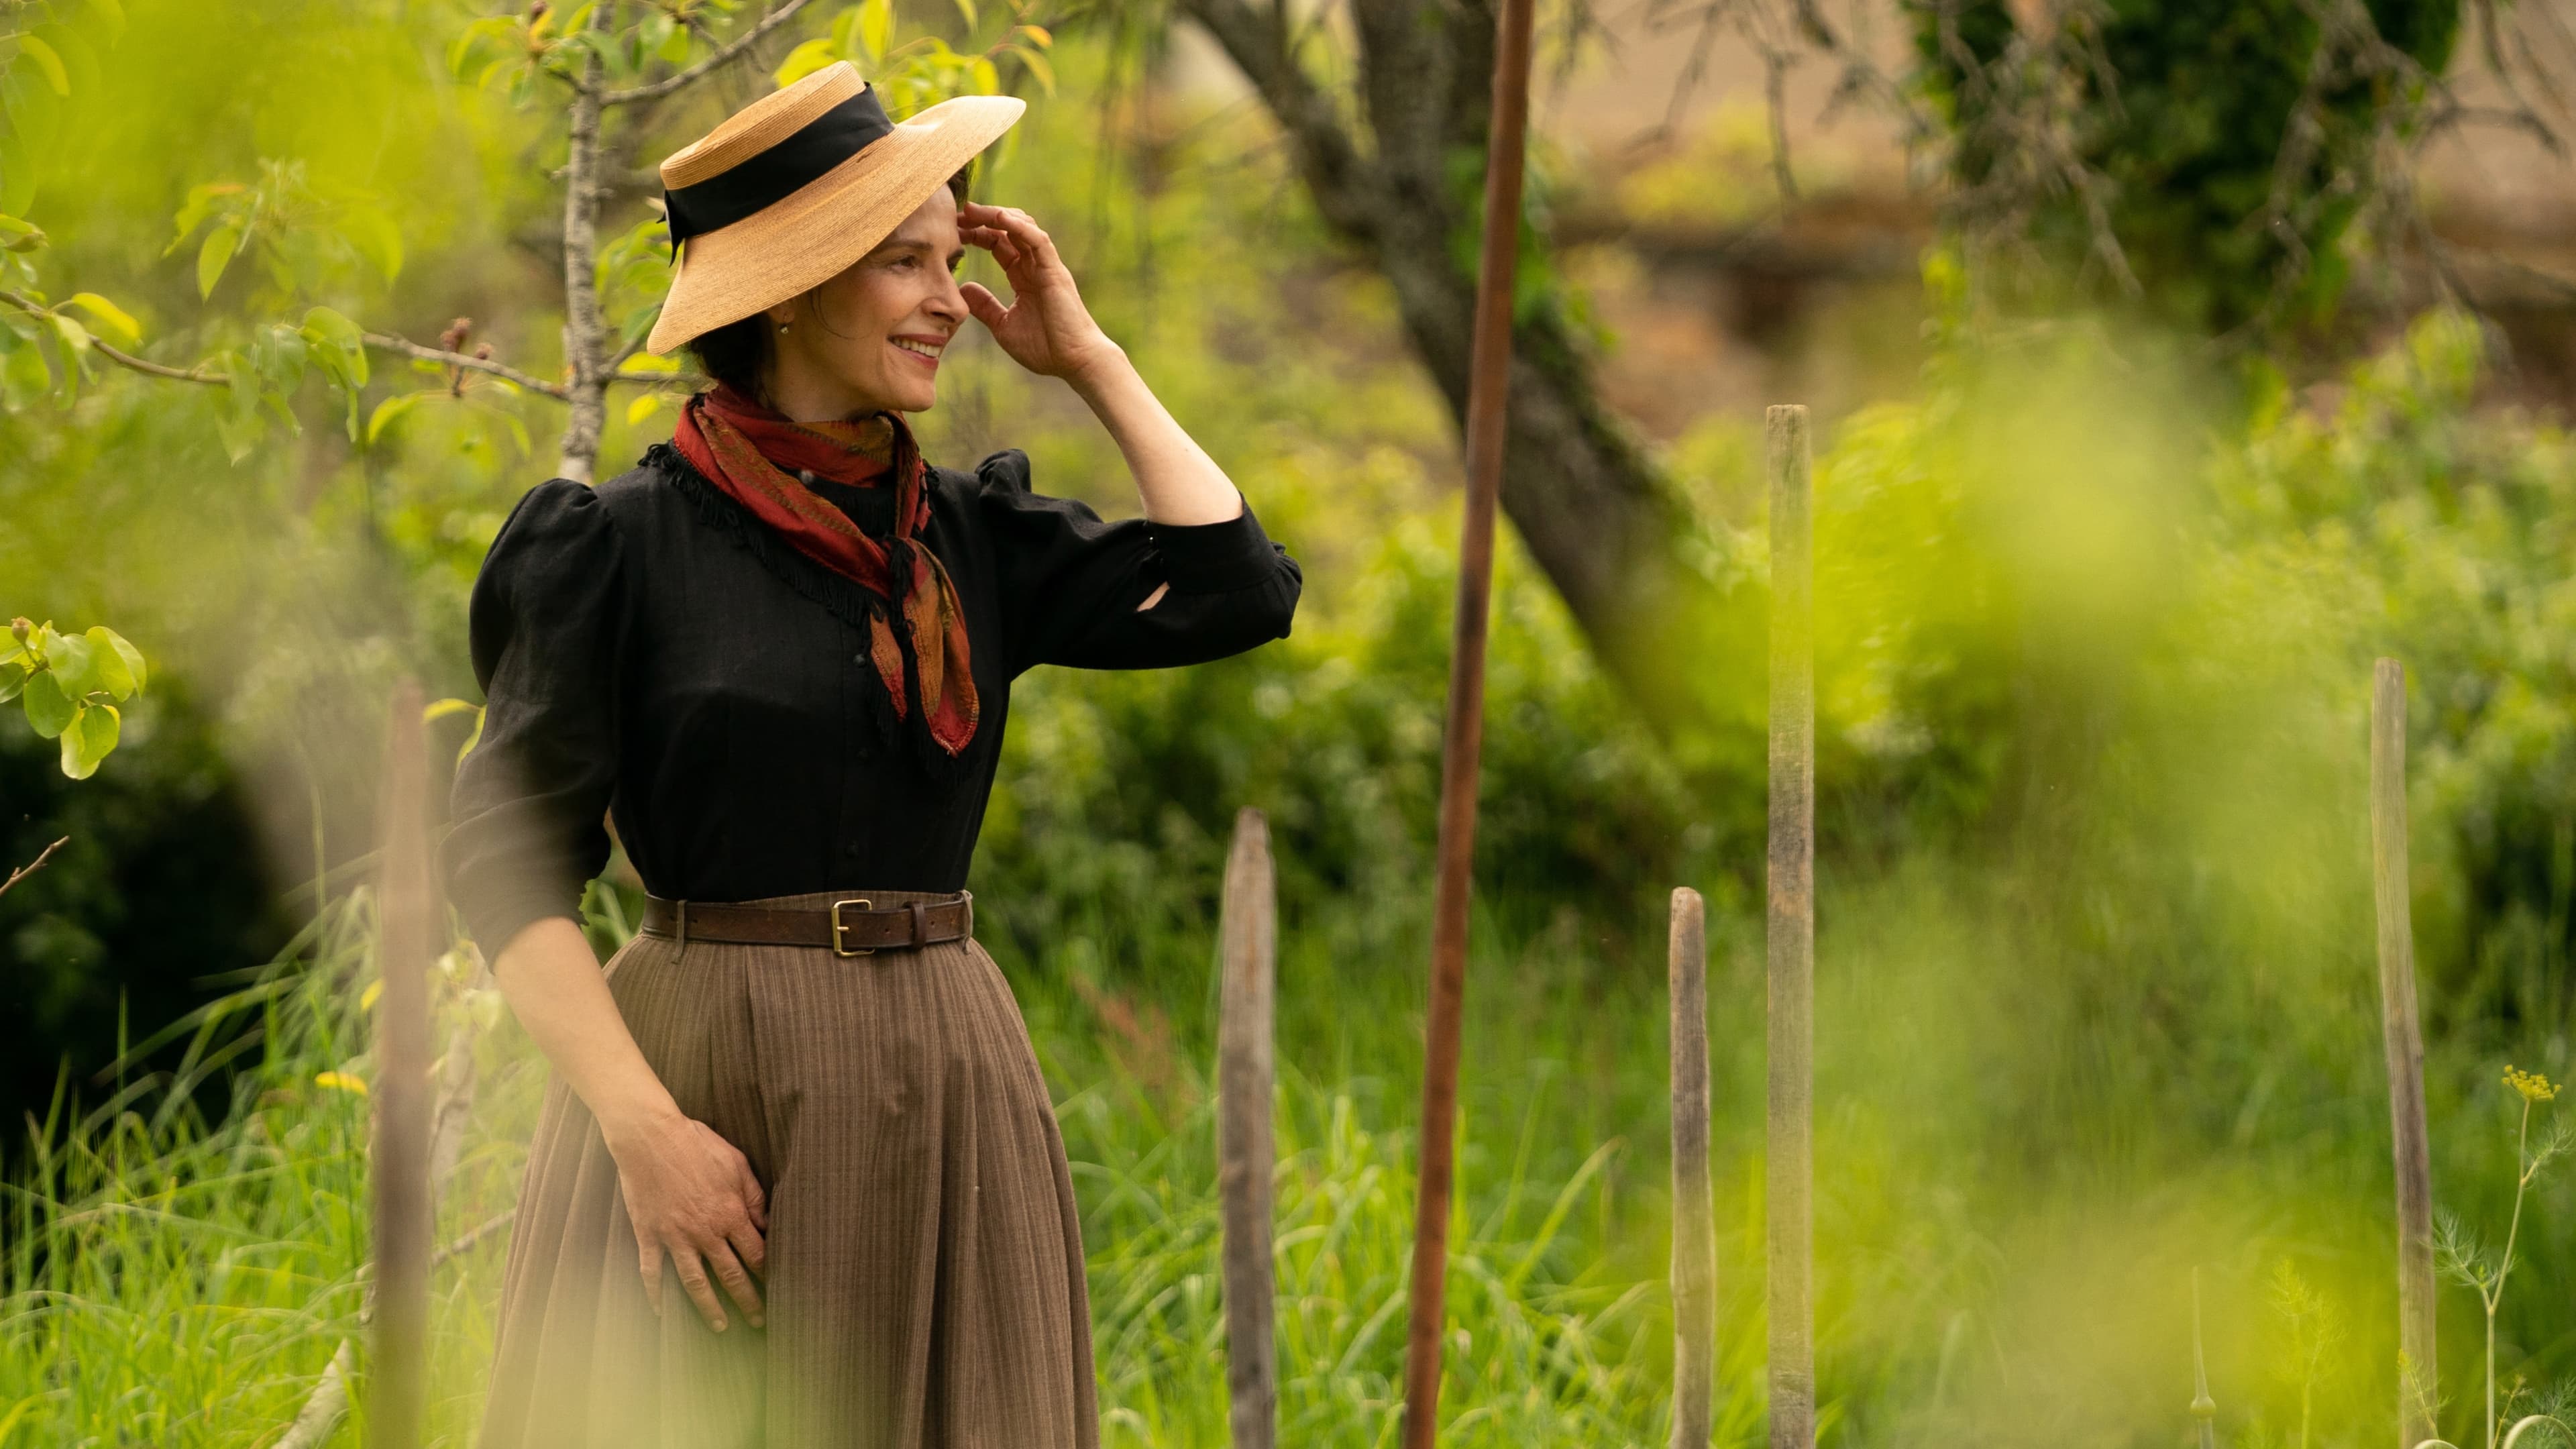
[843, 597]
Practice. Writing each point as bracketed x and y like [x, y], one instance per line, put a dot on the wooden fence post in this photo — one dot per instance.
[1462, 738]
[2418, 1372]
[1694, 1216]
[1789, 1168]
[1248, 931]
[400, 1159]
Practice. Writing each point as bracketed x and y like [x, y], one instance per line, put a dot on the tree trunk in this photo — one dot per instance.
[585, 334]
[1595, 514]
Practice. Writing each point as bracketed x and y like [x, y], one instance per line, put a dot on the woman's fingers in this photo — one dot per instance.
[1019, 230]
[651, 1268]
[982, 304]
[737, 1283]
[701, 1288]
[755, 1201]
[996, 241]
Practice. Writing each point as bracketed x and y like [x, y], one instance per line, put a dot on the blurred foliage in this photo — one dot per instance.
[2222, 148]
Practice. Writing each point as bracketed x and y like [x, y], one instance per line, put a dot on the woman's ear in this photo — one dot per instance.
[782, 316]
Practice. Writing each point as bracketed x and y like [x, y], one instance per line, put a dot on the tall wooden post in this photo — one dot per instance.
[1694, 1216]
[1462, 742]
[400, 1371]
[1248, 932]
[1789, 1170]
[2418, 1373]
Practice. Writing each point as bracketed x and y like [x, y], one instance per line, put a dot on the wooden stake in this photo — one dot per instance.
[1694, 1215]
[2418, 1387]
[1249, 934]
[1462, 741]
[400, 1368]
[1789, 1170]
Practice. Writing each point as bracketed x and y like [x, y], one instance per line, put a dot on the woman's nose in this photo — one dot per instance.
[948, 301]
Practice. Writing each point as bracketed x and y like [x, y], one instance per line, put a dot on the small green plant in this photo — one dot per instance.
[2467, 1262]
[70, 686]
[2312, 1334]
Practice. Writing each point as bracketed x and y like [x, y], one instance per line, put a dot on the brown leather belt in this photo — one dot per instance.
[853, 926]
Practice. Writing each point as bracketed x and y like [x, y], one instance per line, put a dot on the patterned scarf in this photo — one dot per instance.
[754, 455]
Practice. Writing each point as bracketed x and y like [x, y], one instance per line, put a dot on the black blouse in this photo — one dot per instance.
[650, 650]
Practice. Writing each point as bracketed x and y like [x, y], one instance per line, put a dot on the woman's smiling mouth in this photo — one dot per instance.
[925, 349]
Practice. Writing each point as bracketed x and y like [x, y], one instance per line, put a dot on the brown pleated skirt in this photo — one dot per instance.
[925, 1280]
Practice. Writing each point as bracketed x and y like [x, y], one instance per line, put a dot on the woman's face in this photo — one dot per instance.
[869, 339]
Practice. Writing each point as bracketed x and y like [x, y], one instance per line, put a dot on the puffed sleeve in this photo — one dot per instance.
[1071, 583]
[547, 623]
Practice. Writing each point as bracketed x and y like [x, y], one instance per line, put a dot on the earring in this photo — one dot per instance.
[782, 326]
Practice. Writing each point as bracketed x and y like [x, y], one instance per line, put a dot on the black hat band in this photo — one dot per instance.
[778, 172]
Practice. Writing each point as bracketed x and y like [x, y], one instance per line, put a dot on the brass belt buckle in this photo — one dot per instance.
[840, 929]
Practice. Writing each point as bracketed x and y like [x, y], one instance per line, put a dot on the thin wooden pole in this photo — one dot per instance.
[1462, 741]
[400, 1371]
[1249, 933]
[1694, 1215]
[2418, 1372]
[1789, 1168]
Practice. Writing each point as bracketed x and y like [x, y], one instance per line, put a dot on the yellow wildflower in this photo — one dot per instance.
[341, 1081]
[2532, 1085]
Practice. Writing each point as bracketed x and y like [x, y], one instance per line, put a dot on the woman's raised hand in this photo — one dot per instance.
[1045, 329]
[691, 1195]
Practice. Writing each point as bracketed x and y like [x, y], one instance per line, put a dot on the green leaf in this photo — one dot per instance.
[642, 408]
[73, 660]
[967, 9]
[19, 236]
[90, 739]
[215, 255]
[115, 670]
[202, 202]
[48, 62]
[1038, 66]
[390, 411]
[113, 14]
[127, 653]
[49, 710]
[111, 319]
[876, 27]
[13, 678]
[987, 78]
[322, 324]
[804, 60]
[74, 336]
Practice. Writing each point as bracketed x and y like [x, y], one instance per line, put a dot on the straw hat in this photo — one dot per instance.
[799, 184]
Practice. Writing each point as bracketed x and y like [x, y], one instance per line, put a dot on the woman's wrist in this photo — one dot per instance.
[1100, 374]
[637, 1120]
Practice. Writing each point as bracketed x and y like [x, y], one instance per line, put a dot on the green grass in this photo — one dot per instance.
[178, 1281]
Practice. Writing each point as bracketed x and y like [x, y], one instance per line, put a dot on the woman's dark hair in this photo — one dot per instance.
[738, 352]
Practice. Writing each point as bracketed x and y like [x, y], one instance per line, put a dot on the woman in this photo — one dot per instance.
[798, 1180]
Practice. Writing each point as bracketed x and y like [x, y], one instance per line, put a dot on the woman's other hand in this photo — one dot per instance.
[1045, 329]
[692, 1195]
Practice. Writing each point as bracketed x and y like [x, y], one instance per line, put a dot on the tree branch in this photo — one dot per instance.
[733, 50]
[391, 343]
[1336, 175]
[119, 356]
[33, 866]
